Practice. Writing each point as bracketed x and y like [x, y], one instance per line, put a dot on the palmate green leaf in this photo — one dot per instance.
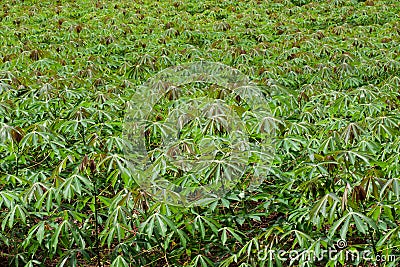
[47, 198]
[66, 235]
[112, 161]
[16, 214]
[202, 261]
[8, 199]
[292, 143]
[227, 230]
[368, 145]
[39, 136]
[389, 212]
[375, 213]
[384, 127]
[301, 239]
[32, 263]
[329, 201]
[361, 221]
[4, 239]
[75, 184]
[55, 238]
[352, 133]
[372, 185]
[35, 191]
[115, 142]
[249, 248]
[392, 186]
[331, 143]
[13, 179]
[119, 261]
[354, 156]
[391, 235]
[62, 165]
[359, 224]
[38, 231]
[113, 177]
[118, 231]
[119, 214]
[71, 258]
[228, 261]
[148, 226]
[158, 225]
[201, 223]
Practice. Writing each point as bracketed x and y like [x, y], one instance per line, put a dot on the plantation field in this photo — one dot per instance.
[329, 75]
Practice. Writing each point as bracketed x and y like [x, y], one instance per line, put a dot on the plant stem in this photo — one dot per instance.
[82, 132]
[371, 235]
[96, 207]
[17, 161]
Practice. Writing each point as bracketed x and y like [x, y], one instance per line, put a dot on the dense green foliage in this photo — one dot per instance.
[68, 69]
